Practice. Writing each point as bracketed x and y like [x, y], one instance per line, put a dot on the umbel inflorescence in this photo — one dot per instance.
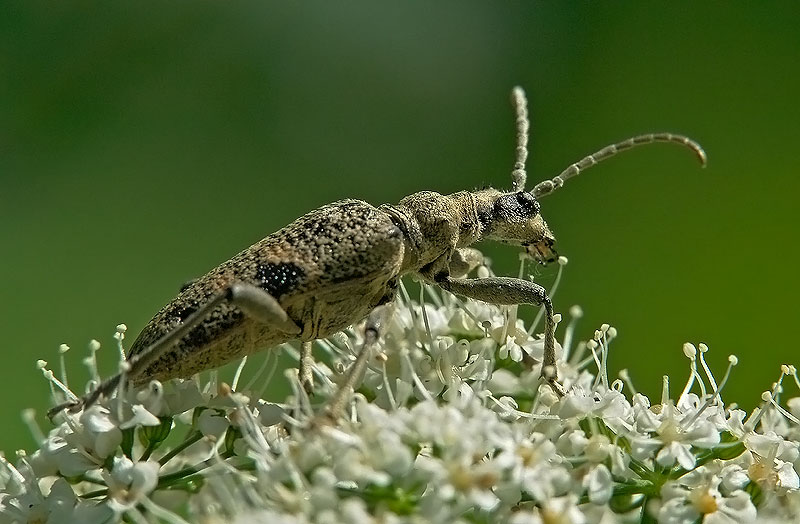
[449, 423]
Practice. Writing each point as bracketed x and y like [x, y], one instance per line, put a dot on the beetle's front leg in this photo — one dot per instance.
[509, 291]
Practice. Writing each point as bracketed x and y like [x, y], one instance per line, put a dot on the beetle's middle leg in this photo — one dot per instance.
[509, 291]
[305, 370]
[372, 330]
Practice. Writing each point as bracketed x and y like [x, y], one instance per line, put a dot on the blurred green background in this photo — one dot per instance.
[143, 143]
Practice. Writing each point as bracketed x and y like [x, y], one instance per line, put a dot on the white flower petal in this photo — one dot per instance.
[599, 484]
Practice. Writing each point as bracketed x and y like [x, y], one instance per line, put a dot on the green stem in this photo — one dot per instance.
[151, 447]
[634, 487]
[188, 472]
[93, 494]
[83, 477]
[182, 475]
[190, 439]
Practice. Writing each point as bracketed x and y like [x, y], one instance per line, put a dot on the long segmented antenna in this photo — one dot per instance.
[518, 175]
[548, 186]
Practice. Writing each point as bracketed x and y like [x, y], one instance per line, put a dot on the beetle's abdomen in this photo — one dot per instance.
[327, 270]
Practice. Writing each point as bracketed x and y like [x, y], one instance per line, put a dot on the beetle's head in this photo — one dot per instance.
[514, 218]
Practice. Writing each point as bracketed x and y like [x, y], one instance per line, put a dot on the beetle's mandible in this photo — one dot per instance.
[329, 268]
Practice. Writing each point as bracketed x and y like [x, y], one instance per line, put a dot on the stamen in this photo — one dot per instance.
[793, 373]
[592, 345]
[626, 377]
[432, 292]
[123, 367]
[29, 417]
[510, 314]
[62, 349]
[521, 414]
[562, 261]
[604, 356]
[119, 336]
[41, 364]
[162, 513]
[14, 472]
[425, 317]
[767, 397]
[249, 423]
[689, 352]
[460, 304]
[733, 360]
[238, 373]
[586, 361]
[409, 304]
[703, 350]
[273, 365]
[575, 312]
[665, 390]
[264, 363]
[417, 382]
[91, 360]
[386, 386]
[300, 395]
[755, 416]
[715, 396]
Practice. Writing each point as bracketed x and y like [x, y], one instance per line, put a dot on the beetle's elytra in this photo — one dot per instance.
[329, 268]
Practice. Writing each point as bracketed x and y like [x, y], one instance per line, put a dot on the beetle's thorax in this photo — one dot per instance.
[434, 225]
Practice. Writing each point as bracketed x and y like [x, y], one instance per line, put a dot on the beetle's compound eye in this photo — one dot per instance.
[528, 202]
[516, 207]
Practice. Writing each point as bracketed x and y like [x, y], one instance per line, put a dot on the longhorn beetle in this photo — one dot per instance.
[329, 268]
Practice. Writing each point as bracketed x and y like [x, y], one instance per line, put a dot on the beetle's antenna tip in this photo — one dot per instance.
[548, 186]
[520, 103]
[701, 155]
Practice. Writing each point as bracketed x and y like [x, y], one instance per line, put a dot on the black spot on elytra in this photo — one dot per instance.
[184, 313]
[279, 279]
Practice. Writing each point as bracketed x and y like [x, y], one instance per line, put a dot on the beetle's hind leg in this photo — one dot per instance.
[509, 291]
[252, 300]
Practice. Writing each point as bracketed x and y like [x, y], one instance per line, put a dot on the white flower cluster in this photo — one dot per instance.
[449, 423]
